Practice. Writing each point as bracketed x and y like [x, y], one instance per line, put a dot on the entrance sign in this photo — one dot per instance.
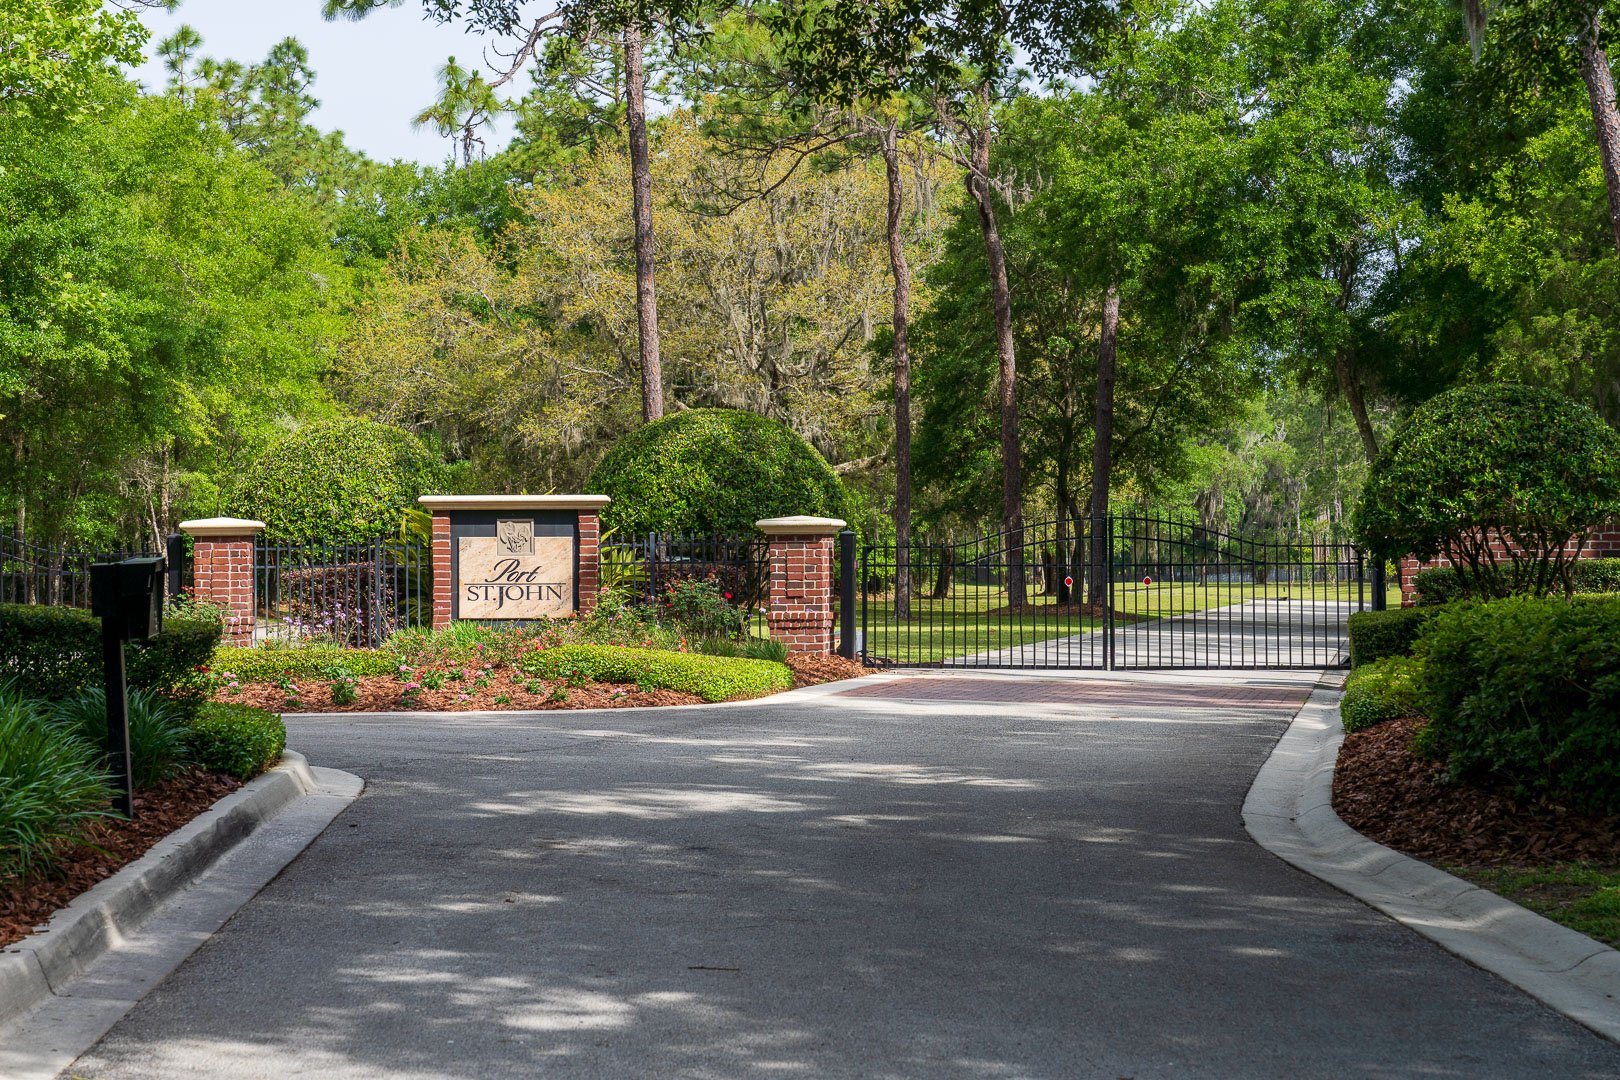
[514, 557]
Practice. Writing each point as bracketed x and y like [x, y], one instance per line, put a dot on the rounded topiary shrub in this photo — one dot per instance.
[714, 471]
[1497, 479]
[337, 481]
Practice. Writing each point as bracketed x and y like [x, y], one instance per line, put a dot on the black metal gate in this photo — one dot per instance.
[1121, 592]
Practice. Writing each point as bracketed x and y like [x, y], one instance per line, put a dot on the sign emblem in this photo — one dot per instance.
[515, 536]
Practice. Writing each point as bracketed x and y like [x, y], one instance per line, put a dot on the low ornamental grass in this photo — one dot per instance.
[51, 786]
[712, 678]
[157, 731]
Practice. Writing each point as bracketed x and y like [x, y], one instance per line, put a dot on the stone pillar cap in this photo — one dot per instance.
[799, 526]
[222, 526]
[514, 502]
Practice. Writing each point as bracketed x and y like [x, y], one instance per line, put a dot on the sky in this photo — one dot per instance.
[371, 76]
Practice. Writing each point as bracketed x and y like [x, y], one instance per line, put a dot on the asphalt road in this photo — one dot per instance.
[845, 887]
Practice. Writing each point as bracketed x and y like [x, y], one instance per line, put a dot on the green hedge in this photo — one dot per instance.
[1528, 691]
[1375, 635]
[1442, 584]
[1596, 576]
[714, 471]
[237, 739]
[55, 652]
[1383, 690]
[712, 678]
[304, 662]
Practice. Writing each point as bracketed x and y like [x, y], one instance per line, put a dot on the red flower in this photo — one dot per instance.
[728, 596]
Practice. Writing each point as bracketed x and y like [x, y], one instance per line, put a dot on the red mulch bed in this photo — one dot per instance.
[1384, 791]
[385, 693]
[812, 668]
[112, 843]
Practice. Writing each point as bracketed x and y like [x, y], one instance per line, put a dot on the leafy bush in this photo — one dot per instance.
[51, 786]
[236, 739]
[1375, 635]
[56, 651]
[173, 662]
[1437, 585]
[1528, 691]
[305, 662]
[339, 480]
[1526, 466]
[157, 730]
[712, 678]
[1596, 576]
[714, 472]
[53, 651]
[700, 609]
[1380, 691]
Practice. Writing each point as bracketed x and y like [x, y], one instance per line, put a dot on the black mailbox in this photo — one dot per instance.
[129, 594]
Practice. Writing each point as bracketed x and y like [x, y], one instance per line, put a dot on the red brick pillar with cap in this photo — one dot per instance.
[222, 570]
[800, 607]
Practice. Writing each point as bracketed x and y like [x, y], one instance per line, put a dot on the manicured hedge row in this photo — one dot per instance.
[712, 678]
[1528, 691]
[237, 739]
[1441, 584]
[1375, 635]
[54, 652]
[1383, 690]
[304, 662]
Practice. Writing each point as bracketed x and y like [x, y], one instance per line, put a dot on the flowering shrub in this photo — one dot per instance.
[702, 609]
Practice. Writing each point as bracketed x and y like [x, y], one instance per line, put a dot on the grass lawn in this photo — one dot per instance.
[960, 624]
[1581, 897]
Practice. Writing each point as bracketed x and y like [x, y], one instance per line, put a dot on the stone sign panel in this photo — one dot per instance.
[515, 574]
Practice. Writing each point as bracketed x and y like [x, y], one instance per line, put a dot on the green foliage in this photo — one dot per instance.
[1527, 691]
[56, 52]
[157, 730]
[306, 662]
[765, 649]
[51, 786]
[1380, 691]
[1376, 635]
[1437, 585]
[236, 739]
[718, 646]
[1479, 462]
[335, 481]
[53, 651]
[1596, 576]
[712, 678]
[714, 472]
[700, 609]
[56, 651]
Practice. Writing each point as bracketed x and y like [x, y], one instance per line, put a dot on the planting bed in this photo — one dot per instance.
[383, 693]
[111, 844]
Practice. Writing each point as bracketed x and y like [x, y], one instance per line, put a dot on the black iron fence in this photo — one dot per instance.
[1117, 592]
[59, 575]
[348, 594]
[642, 568]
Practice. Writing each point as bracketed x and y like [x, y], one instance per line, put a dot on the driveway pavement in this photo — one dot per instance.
[1013, 878]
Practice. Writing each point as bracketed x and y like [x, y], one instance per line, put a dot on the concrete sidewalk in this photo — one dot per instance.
[1050, 886]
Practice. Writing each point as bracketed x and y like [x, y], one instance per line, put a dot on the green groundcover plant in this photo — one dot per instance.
[712, 678]
[1378, 692]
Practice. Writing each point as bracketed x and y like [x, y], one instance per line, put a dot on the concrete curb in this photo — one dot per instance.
[1289, 812]
[102, 917]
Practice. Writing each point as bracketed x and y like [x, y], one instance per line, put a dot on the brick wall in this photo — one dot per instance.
[222, 571]
[1604, 544]
[800, 613]
[589, 575]
[442, 585]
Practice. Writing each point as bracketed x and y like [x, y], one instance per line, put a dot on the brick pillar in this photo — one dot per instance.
[800, 609]
[442, 584]
[590, 560]
[222, 570]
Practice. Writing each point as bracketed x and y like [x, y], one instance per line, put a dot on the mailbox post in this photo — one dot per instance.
[127, 597]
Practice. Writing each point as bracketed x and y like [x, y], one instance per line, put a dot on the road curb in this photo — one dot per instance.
[102, 917]
[1289, 812]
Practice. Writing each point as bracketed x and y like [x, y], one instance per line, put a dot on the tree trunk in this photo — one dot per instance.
[652, 373]
[1012, 477]
[1102, 452]
[900, 270]
[1600, 90]
[947, 570]
[1344, 369]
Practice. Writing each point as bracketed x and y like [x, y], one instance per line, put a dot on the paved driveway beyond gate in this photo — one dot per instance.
[1014, 877]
